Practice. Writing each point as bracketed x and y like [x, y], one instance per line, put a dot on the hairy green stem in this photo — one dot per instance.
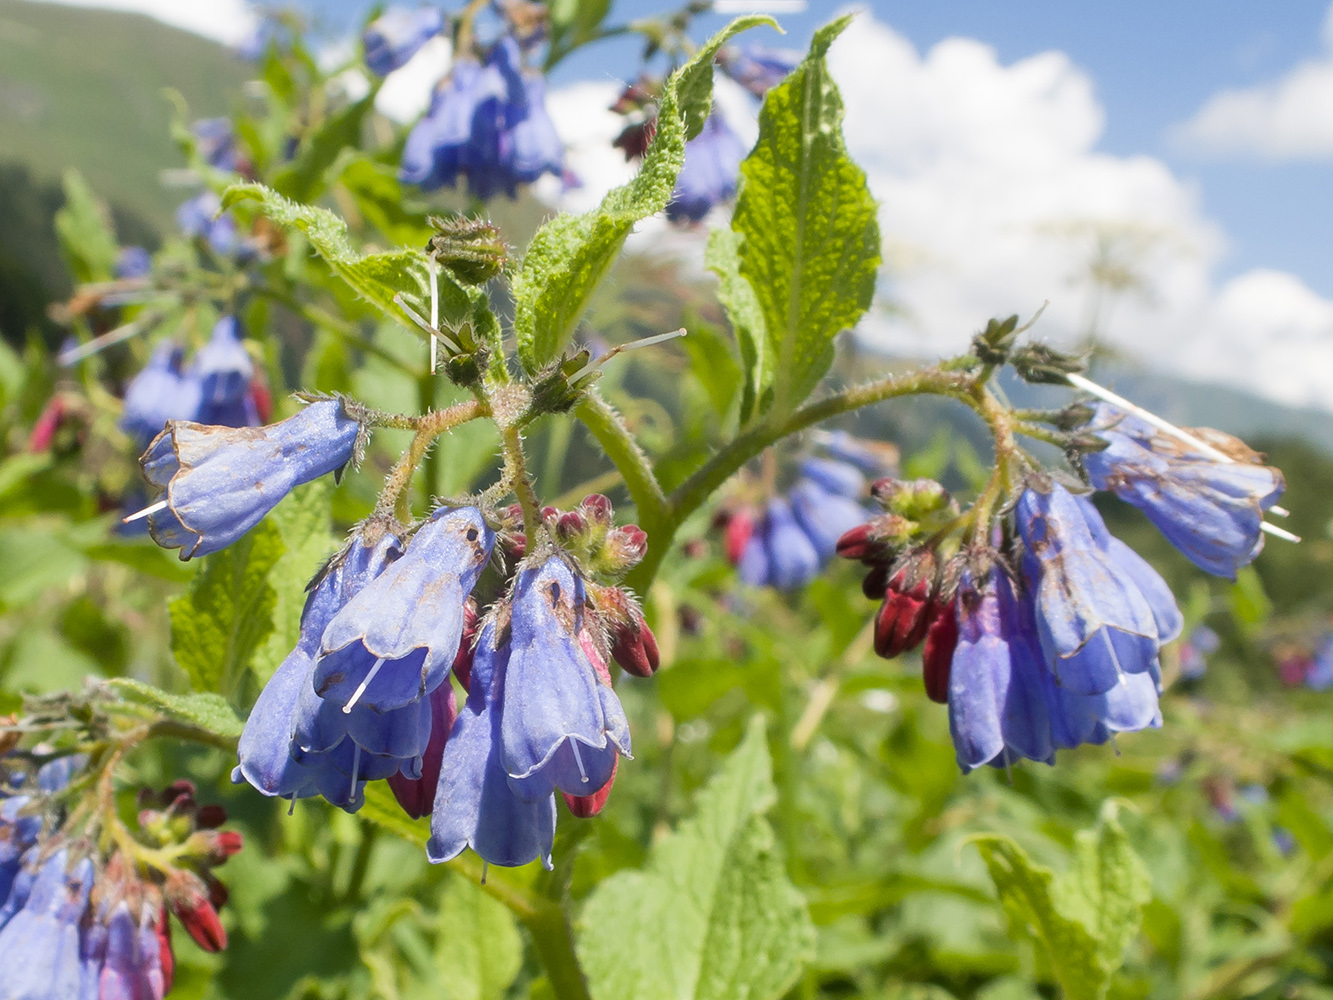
[516, 475]
[393, 498]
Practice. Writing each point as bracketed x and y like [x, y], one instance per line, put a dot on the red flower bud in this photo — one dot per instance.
[262, 397]
[570, 525]
[597, 508]
[625, 547]
[462, 667]
[217, 893]
[417, 795]
[196, 912]
[903, 617]
[876, 582]
[739, 529]
[937, 654]
[549, 513]
[585, 806]
[518, 545]
[855, 543]
[44, 431]
[210, 817]
[165, 954]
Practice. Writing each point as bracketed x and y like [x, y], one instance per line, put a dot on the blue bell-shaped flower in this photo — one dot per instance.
[711, 171]
[393, 38]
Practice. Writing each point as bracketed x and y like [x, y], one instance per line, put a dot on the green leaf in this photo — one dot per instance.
[383, 809]
[478, 948]
[722, 257]
[570, 255]
[1106, 887]
[1025, 890]
[712, 363]
[712, 916]
[221, 621]
[207, 711]
[812, 248]
[375, 277]
[84, 229]
[305, 524]
[1086, 918]
[573, 23]
[303, 178]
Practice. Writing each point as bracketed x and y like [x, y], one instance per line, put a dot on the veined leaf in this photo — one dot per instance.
[712, 916]
[570, 255]
[207, 711]
[722, 257]
[375, 277]
[812, 248]
[220, 622]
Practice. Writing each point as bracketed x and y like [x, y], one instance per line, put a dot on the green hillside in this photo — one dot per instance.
[83, 88]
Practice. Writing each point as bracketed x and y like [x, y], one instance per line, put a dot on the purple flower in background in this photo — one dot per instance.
[265, 752]
[198, 218]
[779, 553]
[487, 123]
[1319, 675]
[561, 726]
[824, 516]
[133, 262]
[475, 805]
[271, 34]
[1208, 509]
[162, 391]
[220, 481]
[130, 966]
[393, 38]
[710, 173]
[758, 68]
[215, 142]
[224, 371]
[1195, 650]
[835, 476]
[395, 641]
[1095, 625]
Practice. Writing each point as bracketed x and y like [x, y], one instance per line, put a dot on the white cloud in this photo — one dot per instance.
[1290, 118]
[230, 21]
[992, 199]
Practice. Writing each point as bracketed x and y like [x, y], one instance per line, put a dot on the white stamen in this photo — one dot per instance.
[356, 769]
[485, 867]
[633, 345]
[144, 513]
[434, 309]
[292, 808]
[578, 759]
[361, 689]
[1277, 532]
[1087, 385]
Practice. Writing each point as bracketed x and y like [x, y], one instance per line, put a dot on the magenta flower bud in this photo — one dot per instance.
[597, 509]
[587, 806]
[570, 525]
[624, 547]
[417, 795]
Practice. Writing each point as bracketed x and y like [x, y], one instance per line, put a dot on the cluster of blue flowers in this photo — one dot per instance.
[487, 122]
[787, 543]
[73, 925]
[1053, 638]
[366, 693]
[218, 386]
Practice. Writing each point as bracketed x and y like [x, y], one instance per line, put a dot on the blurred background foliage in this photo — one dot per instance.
[1229, 805]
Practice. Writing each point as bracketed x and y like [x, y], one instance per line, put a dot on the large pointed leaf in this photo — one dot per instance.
[570, 255]
[812, 248]
[712, 916]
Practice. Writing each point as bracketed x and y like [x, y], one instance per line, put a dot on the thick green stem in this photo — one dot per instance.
[691, 494]
[619, 444]
[554, 940]
[516, 475]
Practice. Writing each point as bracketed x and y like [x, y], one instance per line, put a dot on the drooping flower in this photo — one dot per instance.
[221, 481]
[779, 554]
[1095, 625]
[393, 643]
[710, 173]
[474, 804]
[131, 967]
[1208, 509]
[562, 726]
[758, 68]
[162, 391]
[488, 123]
[393, 38]
[1195, 650]
[224, 372]
[265, 752]
[824, 516]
